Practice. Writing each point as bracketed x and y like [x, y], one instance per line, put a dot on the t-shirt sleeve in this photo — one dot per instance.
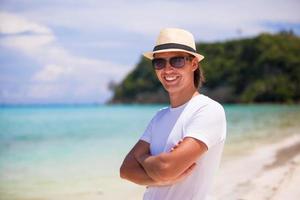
[146, 136]
[207, 124]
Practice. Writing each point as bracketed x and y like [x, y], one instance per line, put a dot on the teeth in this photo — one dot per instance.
[170, 78]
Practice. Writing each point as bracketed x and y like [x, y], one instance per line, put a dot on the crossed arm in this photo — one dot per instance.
[167, 168]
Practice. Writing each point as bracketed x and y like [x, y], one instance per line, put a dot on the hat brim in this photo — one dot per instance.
[149, 55]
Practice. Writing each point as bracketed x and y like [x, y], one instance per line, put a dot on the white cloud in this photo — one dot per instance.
[51, 73]
[13, 24]
[148, 17]
[45, 91]
[28, 44]
[63, 74]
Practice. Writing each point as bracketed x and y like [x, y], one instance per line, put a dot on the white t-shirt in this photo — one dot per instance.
[201, 118]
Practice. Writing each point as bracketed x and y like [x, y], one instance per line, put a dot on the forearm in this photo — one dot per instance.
[136, 174]
[155, 166]
[140, 177]
[164, 167]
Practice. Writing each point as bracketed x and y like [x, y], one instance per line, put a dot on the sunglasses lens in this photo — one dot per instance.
[177, 62]
[159, 63]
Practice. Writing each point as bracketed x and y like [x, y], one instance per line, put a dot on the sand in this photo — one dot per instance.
[271, 172]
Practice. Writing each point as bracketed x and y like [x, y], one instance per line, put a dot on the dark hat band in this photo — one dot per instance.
[173, 46]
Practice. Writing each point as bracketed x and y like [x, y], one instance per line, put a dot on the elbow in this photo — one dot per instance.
[122, 172]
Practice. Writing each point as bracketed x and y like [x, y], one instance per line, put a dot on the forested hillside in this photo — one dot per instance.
[261, 69]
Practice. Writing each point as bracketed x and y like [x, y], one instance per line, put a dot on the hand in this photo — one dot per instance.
[176, 145]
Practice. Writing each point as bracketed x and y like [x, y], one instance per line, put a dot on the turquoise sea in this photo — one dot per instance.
[74, 152]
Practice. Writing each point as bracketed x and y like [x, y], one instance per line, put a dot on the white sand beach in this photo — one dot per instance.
[271, 172]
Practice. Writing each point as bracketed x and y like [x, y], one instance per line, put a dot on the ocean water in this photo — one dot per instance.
[73, 152]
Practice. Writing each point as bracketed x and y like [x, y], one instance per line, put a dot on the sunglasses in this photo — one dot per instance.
[176, 62]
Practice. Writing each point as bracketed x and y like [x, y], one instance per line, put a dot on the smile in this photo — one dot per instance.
[170, 78]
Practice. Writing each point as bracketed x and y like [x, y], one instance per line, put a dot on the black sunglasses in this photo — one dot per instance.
[176, 62]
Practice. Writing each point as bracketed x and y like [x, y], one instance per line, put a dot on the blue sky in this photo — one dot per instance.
[54, 51]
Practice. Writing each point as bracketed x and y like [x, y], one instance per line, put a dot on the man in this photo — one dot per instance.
[180, 150]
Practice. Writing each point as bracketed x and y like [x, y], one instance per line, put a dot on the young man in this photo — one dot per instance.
[180, 150]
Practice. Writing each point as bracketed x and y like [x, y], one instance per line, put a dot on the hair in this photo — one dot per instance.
[199, 77]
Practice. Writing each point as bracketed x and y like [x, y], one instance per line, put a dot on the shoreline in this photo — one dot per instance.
[270, 172]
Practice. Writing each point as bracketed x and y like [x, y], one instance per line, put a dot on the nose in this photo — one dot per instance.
[168, 67]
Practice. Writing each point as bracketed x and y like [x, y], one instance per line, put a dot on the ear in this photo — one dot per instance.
[195, 64]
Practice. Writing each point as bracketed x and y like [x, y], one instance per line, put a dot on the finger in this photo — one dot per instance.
[191, 168]
[179, 142]
[174, 147]
[193, 165]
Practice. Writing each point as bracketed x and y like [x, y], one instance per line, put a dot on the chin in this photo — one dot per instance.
[172, 89]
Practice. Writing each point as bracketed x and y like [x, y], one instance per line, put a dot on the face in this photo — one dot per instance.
[176, 79]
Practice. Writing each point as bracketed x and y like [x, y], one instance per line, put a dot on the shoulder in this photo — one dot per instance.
[204, 104]
[206, 121]
[160, 113]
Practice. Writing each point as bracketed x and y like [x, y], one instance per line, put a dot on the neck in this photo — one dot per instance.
[181, 97]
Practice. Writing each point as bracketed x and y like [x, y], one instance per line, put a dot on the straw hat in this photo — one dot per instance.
[174, 39]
